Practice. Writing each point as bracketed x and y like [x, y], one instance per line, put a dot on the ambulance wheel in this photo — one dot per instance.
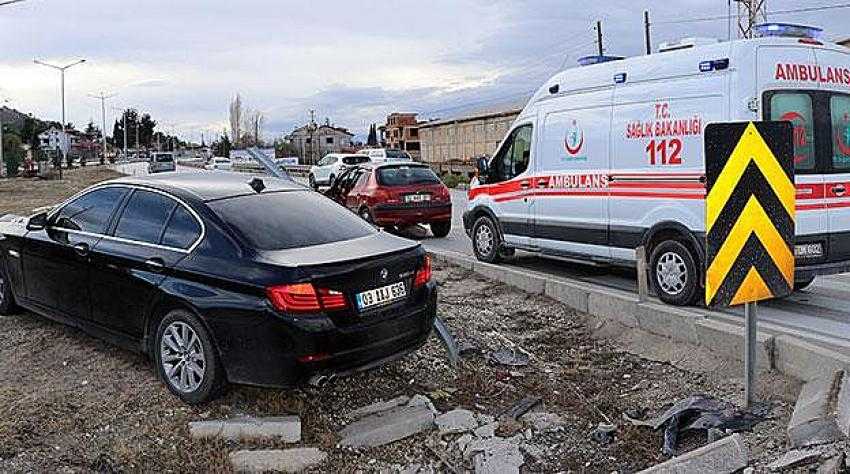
[486, 240]
[803, 284]
[673, 272]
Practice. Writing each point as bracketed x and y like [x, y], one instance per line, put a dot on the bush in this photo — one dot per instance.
[13, 154]
[451, 180]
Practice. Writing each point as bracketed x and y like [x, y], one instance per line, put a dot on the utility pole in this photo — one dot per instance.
[61, 70]
[103, 98]
[2, 162]
[599, 37]
[750, 13]
[646, 26]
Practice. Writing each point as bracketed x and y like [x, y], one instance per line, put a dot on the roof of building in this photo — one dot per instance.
[492, 109]
[325, 127]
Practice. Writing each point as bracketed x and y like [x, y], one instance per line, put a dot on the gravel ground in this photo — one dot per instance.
[72, 403]
[22, 195]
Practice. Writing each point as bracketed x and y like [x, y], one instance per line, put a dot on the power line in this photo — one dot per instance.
[772, 13]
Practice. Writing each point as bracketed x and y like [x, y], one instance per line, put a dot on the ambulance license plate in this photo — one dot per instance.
[380, 296]
[810, 250]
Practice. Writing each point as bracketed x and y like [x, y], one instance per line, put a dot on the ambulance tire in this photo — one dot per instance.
[673, 273]
[486, 240]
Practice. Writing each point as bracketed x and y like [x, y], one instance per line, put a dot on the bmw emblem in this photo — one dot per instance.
[384, 274]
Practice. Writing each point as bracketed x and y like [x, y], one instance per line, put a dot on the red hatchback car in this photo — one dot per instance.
[395, 194]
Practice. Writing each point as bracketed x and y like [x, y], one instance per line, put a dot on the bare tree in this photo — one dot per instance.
[237, 115]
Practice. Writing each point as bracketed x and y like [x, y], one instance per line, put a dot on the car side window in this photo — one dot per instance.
[91, 211]
[512, 159]
[144, 217]
[182, 229]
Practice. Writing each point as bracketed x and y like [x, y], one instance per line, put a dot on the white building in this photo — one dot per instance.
[313, 141]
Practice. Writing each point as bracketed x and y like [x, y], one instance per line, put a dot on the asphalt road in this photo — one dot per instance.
[822, 311]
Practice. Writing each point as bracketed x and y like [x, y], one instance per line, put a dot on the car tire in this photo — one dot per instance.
[486, 241]
[172, 356]
[366, 215]
[674, 275]
[7, 299]
[441, 229]
[331, 179]
[313, 185]
[803, 284]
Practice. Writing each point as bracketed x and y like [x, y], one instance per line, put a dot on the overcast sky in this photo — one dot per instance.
[353, 61]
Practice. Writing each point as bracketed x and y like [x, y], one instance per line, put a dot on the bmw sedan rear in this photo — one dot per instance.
[222, 279]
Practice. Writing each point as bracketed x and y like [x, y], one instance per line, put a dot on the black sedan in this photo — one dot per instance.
[221, 277]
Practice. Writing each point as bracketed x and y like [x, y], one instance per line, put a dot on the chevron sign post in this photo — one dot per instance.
[749, 219]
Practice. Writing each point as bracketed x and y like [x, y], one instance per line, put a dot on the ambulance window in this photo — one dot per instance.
[796, 107]
[512, 159]
[840, 106]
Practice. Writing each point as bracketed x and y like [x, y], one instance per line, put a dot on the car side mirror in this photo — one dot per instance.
[482, 167]
[37, 221]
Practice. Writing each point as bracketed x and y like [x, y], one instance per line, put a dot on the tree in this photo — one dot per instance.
[236, 118]
[93, 130]
[283, 149]
[372, 140]
[146, 128]
[222, 146]
[13, 154]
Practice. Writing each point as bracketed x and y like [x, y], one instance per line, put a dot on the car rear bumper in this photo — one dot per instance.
[806, 272]
[274, 353]
[387, 214]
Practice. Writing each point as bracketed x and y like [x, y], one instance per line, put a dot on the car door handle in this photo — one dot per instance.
[838, 189]
[82, 249]
[155, 264]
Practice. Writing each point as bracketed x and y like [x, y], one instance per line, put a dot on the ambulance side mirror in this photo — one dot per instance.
[482, 167]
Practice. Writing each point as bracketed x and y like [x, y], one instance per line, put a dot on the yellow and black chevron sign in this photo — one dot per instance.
[749, 212]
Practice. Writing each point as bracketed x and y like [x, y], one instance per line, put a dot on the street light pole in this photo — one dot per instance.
[2, 161]
[61, 70]
[103, 98]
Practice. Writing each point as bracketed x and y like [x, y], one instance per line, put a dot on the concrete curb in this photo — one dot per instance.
[727, 455]
[784, 351]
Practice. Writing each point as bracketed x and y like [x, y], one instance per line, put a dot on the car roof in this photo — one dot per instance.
[206, 186]
[391, 164]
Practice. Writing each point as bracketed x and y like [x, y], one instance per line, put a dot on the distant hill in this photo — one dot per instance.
[13, 118]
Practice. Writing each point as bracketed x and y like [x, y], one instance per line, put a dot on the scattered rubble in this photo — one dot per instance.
[495, 455]
[456, 421]
[276, 460]
[795, 458]
[387, 426]
[283, 428]
[603, 433]
[509, 357]
[814, 420]
[727, 455]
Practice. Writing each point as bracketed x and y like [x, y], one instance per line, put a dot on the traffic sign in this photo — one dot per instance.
[749, 209]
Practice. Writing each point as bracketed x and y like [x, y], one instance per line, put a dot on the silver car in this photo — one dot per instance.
[160, 162]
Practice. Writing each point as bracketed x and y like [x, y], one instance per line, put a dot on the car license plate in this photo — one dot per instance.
[811, 250]
[417, 198]
[380, 296]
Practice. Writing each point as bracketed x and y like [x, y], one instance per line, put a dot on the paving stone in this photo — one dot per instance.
[378, 407]
[456, 421]
[387, 426]
[282, 428]
[276, 460]
[727, 455]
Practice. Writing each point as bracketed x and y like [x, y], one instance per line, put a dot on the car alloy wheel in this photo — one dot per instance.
[182, 357]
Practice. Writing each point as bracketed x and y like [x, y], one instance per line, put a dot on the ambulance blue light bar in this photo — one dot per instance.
[590, 60]
[714, 65]
[787, 30]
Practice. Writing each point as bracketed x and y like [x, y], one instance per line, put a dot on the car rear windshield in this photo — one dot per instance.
[285, 220]
[406, 175]
[397, 155]
[164, 158]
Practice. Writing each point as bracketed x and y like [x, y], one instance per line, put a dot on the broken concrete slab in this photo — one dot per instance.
[378, 407]
[387, 426]
[276, 460]
[456, 421]
[794, 459]
[727, 455]
[495, 455]
[486, 431]
[542, 421]
[283, 428]
[422, 401]
[833, 465]
[813, 420]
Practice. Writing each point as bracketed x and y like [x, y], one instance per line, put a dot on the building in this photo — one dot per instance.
[313, 141]
[455, 142]
[82, 146]
[402, 132]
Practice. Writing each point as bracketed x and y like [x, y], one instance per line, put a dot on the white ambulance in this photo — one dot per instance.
[609, 157]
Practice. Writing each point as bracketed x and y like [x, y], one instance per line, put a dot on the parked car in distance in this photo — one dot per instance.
[332, 165]
[383, 155]
[219, 163]
[222, 278]
[160, 162]
[396, 194]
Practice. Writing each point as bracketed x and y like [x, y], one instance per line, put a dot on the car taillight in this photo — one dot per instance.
[423, 275]
[305, 298]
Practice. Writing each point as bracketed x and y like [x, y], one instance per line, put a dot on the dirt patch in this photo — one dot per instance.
[73, 402]
[22, 195]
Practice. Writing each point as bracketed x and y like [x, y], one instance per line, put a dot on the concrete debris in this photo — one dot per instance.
[542, 421]
[495, 455]
[603, 433]
[487, 431]
[282, 428]
[728, 455]
[422, 401]
[387, 426]
[814, 420]
[509, 357]
[378, 407]
[462, 442]
[833, 465]
[794, 459]
[276, 460]
[456, 421]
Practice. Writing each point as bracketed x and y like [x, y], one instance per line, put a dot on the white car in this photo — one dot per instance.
[328, 168]
[161, 162]
[219, 163]
[383, 155]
